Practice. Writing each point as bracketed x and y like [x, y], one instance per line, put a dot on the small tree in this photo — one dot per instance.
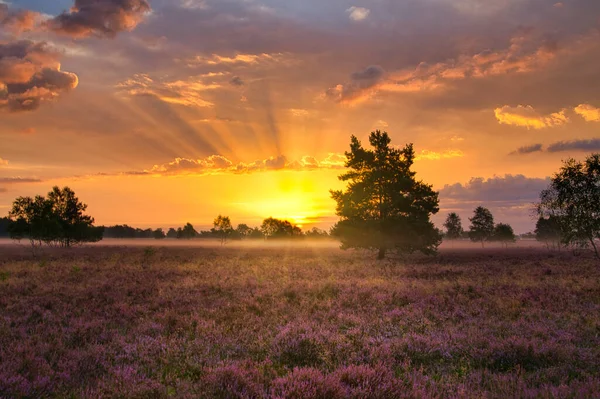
[573, 199]
[223, 228]
[243, 230]
[384, 207]
[159, 234]
[453, 226]
[504, 234]
[275, 228]
[172, 233]
[549, 231]
[188, 232]
[482, 225]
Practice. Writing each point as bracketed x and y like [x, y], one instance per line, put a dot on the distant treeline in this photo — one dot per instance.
[271, 228]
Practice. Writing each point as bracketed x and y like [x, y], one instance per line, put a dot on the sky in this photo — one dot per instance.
[162, 112]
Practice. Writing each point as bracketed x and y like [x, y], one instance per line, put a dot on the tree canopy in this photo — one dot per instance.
[223, 228]
[482, 225]
[384, 207]
[453, 225]
[57, 219]
[274, 228]
[504, 234]
[572, 202]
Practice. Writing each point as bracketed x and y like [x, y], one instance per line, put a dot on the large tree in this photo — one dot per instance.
[384, 207]
[482, 225]
[453, 226]
[573, 200]
[57, 219]
[276, 228]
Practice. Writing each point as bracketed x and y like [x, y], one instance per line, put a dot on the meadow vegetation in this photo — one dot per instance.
[297, 322]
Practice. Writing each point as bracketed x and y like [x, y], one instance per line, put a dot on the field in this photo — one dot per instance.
[297, 321]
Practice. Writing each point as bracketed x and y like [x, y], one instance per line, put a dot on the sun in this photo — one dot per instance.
[295, 197]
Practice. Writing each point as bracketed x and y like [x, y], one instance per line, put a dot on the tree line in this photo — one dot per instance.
[222, 230]
[384, 208]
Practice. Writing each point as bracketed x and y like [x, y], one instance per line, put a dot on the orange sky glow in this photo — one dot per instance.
[159, 113]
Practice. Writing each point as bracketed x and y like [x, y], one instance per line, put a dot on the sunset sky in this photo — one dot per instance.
[162, 112]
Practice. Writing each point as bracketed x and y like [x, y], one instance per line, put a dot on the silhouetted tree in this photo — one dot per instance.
[159, 234]
[4, 222]
[384, 207]
[172, 233]
[188, 232]
[315, 232]
[574, 199]
[256, 234]
[58, 219]
[275, 228]
[504, 234]
[453, 226]
[482, 225]
[243, 230]
[549, 231]
[223, 228]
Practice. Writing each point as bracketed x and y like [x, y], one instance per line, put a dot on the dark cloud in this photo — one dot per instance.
[528, 149]
[360, 82]
[509, 189]
[575, 145]
[30, 75]
[236, 81]
[102, 18]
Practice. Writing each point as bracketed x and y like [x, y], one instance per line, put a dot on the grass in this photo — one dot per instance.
[297, 322]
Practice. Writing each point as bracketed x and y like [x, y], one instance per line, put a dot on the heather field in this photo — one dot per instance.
[297, 321]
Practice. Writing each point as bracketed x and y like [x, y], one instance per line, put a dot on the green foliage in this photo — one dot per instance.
[453, 226]
[573, 200]
[482, 225]
[384, 207]
[504, 234]
[57, 219]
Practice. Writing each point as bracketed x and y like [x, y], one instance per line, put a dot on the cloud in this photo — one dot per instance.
[588, 112]
[523, 55]
[17, 21]
[508, 189]
[527, 149]
[17, 180]
[359, 87]
[236, 59]
[526, 116]
[30, 75]
[3, 162]
[218, 164]
[358, 13]
[188, 92]
[426, 155]
[236, 81]
[100, 18]
[575, 145]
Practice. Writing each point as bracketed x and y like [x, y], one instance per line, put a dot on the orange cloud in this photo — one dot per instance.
[30, 74]
[519, 57]
[183, 92]
[526, 116]
[426, 155]
[18, 21]
[218, 164]
[102, 18]
[588, 112]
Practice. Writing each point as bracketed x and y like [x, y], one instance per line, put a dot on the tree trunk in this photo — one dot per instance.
[595, 247]
[381, 254]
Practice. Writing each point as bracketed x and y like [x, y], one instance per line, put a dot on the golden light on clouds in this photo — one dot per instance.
[526, 116]
[588, 112]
